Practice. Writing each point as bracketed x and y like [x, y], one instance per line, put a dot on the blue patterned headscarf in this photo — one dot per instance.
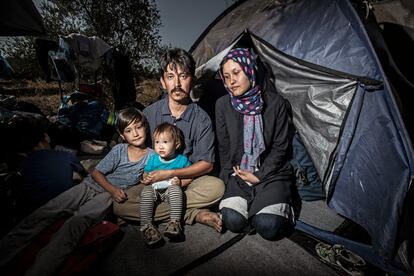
[250, 104]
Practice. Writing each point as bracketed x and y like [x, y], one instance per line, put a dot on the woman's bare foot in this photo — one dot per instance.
[210, 219]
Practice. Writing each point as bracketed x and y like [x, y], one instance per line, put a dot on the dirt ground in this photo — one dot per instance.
[46, 96]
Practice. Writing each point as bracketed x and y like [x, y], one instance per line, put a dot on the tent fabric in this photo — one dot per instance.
[319, 102]
[5, 69]
[307, 179]
[323, 62]
[20, 18]
[272, 21]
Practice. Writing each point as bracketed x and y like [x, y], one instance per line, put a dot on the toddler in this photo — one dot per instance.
[167, 140]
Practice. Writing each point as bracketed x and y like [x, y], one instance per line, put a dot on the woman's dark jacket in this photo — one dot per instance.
[277, 136]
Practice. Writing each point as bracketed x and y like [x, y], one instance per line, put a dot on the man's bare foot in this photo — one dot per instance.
[120, 221]
[210, 219]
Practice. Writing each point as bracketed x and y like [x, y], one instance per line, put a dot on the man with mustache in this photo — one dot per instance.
[177, 75]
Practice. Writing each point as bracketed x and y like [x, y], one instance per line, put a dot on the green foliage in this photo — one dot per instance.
[130, 26]
[21, 55]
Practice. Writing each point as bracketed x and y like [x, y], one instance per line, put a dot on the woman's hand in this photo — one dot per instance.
[119, 195]
[245, 175]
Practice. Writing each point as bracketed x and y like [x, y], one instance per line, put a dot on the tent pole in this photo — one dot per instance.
[60, 91]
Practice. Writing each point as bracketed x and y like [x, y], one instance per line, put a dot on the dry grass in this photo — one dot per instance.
[148, 91]
[46, 95]
[48, 104]
[31, 88]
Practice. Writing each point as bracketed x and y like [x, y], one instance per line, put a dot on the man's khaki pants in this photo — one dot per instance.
[202, 192]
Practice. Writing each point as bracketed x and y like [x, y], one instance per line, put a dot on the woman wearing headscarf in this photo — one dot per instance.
[253, 131]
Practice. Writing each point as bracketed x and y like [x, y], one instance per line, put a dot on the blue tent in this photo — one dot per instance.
[322, 60]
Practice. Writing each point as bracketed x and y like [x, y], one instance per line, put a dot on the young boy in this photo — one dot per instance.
[46, 173]
[86, 203]
[167, 139]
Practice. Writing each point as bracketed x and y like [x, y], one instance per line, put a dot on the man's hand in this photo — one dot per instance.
[245, 175]
[119, 195]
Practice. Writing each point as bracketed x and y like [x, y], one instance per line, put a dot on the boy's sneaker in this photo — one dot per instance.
[151, 234]
[173, 229]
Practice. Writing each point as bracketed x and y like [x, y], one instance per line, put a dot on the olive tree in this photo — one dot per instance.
[130, 26]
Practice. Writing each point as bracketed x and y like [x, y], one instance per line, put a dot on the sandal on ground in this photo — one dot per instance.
[173, 229]
[150, 234]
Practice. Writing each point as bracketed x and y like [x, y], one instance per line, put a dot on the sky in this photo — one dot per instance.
[184, 20]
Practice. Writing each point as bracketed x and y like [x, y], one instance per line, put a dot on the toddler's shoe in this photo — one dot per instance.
[173, 229]
[151, 234]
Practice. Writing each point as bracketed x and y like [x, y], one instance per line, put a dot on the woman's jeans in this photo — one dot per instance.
[269, 226]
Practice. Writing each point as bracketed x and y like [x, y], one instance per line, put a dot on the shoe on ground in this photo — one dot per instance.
[350, 262]
[326, 254]
[341, 258]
